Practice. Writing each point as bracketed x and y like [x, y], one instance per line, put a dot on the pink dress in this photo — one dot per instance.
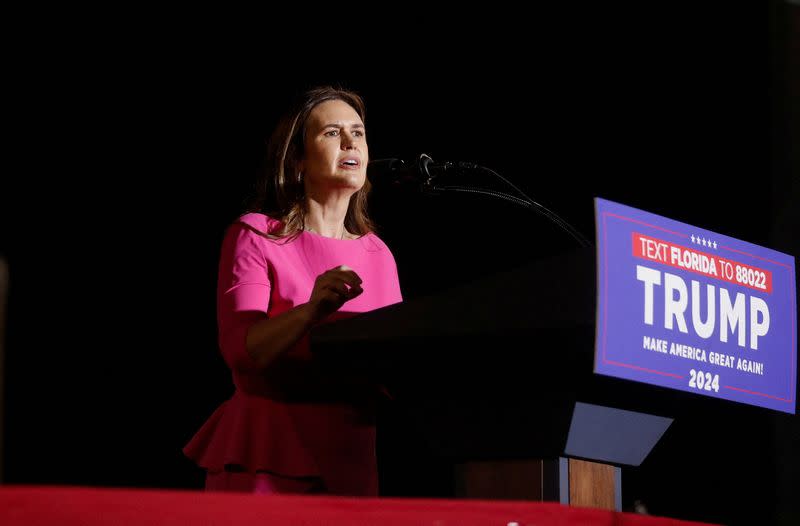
[273, 423]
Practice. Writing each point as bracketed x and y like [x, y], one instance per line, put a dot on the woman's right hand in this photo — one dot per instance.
[332, 289]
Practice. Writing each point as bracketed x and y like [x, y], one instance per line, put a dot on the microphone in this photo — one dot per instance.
[423, 171]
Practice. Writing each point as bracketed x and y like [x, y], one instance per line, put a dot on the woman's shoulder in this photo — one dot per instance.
[372, 242]
[375, 239]
[257, 222]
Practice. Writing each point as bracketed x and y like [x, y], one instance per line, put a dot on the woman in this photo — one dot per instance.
[306, 255]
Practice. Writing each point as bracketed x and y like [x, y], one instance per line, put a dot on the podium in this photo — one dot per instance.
[497, 375]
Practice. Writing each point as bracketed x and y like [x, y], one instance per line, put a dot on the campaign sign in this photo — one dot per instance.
[686, 308]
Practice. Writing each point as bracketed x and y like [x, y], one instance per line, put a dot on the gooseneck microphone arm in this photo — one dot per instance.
[425, 173]
[529, 204]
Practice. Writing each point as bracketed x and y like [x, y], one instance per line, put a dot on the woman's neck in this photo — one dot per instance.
[326, 218]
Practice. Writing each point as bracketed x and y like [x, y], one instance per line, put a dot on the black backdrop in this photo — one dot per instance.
[136, 147]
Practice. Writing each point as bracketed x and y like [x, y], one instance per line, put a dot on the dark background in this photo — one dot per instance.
[135, 142]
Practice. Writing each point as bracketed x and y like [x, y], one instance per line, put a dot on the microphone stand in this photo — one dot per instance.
[429, 187]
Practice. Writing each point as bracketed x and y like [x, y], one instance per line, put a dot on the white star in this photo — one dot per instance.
[715, 244]
[704, 241]
[693, 239]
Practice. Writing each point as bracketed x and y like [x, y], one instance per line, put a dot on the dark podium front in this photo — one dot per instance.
[498, 377]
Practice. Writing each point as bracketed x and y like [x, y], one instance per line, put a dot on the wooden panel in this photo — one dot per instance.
[591, 484]
[500, 480]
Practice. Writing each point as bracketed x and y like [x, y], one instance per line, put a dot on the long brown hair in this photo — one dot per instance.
[279, 190]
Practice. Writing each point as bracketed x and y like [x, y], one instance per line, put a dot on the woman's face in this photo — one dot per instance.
[336, 153]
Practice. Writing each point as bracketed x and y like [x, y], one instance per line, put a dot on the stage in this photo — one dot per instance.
[84, 506]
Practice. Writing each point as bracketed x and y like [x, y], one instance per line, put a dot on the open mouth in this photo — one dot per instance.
[350, 163]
